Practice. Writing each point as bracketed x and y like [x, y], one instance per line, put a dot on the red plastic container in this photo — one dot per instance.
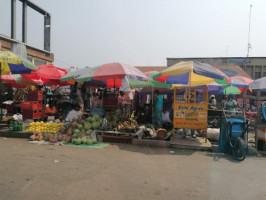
[29, 105]
[35, 95]
[32, 114]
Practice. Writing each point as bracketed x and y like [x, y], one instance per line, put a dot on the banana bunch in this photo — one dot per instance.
[128, 125]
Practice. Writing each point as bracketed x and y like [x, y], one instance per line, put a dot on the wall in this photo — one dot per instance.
[35, 55]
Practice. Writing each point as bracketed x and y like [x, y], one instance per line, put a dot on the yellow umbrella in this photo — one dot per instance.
[10, 62]
[189, 72]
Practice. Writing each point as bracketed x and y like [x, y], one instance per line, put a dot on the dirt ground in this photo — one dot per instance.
[123, 171]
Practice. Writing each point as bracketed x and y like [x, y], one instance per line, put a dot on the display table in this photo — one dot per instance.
[116, 136]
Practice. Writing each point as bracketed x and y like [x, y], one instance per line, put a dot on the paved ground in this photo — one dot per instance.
[121, 171]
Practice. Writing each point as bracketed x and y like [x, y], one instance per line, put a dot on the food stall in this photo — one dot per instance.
[190, 108]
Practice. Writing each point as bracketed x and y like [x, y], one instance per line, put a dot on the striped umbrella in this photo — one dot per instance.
[12, 63]
[189, 73]
[112, 71]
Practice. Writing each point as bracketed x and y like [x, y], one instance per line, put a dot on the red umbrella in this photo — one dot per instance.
[50, 71]
[11, 81]
[48, 74]
[8, 78]
[112, 71]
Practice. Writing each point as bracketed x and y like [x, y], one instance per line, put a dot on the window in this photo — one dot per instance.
[29, 58]
[180, 95]
[39, 62]
[257, 75]
[264, 74]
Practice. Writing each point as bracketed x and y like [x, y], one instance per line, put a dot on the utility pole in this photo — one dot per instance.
[249, 45]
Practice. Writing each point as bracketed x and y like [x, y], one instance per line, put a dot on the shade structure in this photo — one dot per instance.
[184, 79]
[182, 72]
[74, 74]
[240, 81]
[154, 83]
[150, 83]
[231, 90]
[11, 78]
[259, 84]
[214, 88]
[50, 71]
[112, 71]
[16, 85]
[47, 74]
[12, 63]
[226, 80]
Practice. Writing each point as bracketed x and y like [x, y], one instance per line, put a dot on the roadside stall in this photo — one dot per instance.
[259, 90]
[190, 108]
[116, 75]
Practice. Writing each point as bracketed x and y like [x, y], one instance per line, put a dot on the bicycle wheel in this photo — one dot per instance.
[239, 149]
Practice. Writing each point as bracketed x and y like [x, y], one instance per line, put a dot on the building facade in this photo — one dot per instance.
[36, 55]
[255, 67]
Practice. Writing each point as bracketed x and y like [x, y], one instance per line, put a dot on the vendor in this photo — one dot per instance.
[212, 101]
[224, 102]
[50, 111]
[80, 101]
[95, 100]
[122, 97]
[74, 114]
[231, 104]
[157, 110]
[166, 119]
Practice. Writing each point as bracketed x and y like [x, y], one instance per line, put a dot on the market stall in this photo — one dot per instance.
[190, 108]
[259, 87]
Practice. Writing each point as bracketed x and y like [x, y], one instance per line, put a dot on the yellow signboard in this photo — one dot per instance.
[190, 107]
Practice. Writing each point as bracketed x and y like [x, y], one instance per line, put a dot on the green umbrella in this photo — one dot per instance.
[149, 83]
[231, 90]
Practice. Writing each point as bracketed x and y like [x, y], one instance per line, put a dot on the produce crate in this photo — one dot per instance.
[31, 105]
[32, 114]
[35, 95]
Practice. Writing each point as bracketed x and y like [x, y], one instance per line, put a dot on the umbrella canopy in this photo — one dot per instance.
[259, 84]
[12, 63]
[183, 72]
[240, 81]
[150, 83]
[47, 74]
[214, 88]
[112, 71]
[51, 72]
[226, 80]
[231, 90]
[184, 79]
[74, 74]
[154, 83]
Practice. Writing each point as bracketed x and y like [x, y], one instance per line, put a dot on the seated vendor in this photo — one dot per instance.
[166, 119]
[50, 111]
[212, 102]
[74, 114]
[121, 98]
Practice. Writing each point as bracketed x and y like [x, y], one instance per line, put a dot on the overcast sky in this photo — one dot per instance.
[143, 32]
